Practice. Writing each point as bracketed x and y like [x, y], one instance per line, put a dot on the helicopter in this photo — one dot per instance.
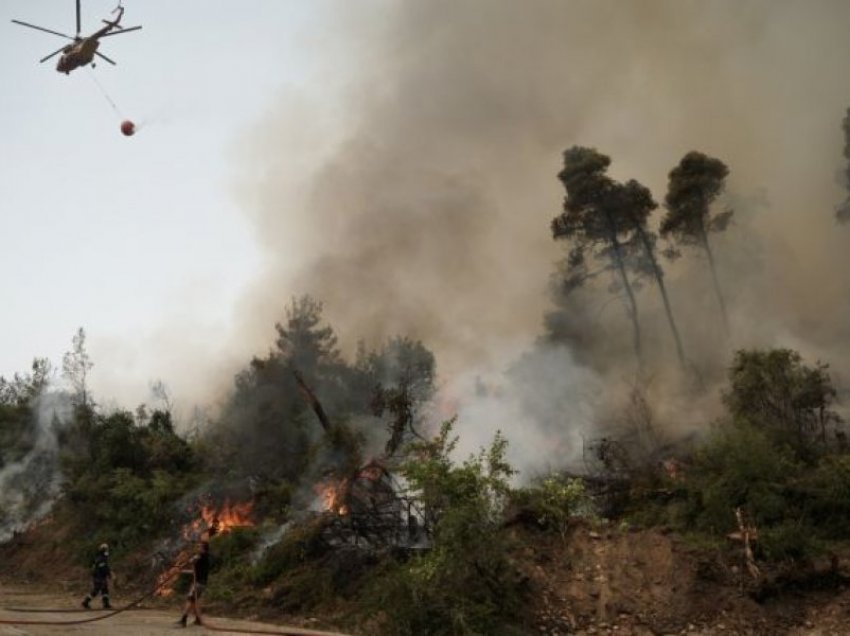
[83, 49]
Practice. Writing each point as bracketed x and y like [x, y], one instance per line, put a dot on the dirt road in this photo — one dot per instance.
[141, 622]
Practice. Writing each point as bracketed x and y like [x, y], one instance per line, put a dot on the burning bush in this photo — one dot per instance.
[210, 522]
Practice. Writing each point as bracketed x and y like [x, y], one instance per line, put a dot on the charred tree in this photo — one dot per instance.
[398, 402]
[843, 211]
[693, 186]
[312, 400]
[402, 376]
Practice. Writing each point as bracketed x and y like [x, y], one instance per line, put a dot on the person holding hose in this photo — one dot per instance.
[200, 573]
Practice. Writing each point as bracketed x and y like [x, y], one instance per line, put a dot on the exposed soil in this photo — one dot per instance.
[593, 581]
[650, 583]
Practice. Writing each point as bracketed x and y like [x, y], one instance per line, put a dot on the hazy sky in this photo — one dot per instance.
[398, 160]
[124, 236]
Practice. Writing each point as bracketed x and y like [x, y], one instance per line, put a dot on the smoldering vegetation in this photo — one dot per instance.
[413, 194]
[415, 197]
[597, 242]
[33, 416]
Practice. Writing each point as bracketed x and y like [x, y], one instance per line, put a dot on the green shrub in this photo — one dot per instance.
[739, 467]
[299, 545]
[465, 584]
[773, 390]
[788, 539]
[825, 493]
[234, 545]
[555, 501]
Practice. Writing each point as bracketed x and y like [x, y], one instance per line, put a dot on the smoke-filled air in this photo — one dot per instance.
[539, 278]
[416, 196]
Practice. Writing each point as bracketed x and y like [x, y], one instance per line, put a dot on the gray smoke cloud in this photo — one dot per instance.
[410, 187]
[412, 193]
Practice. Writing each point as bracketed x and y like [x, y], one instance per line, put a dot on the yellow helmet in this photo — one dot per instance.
[104, 547]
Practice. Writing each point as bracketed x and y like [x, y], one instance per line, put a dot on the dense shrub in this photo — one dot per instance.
[465, 583]
[231, 563]
[122, 476]
[299, 545]
[791, 402]
[825, 493]
[776, 457]
[554, 502]
[739, 467]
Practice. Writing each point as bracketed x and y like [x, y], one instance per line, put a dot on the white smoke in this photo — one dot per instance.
[543, 403]
[30, 485]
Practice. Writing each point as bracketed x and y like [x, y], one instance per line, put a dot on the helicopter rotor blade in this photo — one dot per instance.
[47, 57]
[78, 18]
[32, 26]
[120, 31]
[101, 55]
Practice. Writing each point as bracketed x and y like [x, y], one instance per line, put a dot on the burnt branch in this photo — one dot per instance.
[312, 400]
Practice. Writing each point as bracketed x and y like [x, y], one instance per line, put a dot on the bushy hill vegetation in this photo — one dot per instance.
[356, 506]
[779, 456]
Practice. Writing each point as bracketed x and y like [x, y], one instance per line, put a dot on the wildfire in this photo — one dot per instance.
[210, 521]
[332, 495]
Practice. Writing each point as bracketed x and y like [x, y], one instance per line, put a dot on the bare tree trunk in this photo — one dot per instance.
[659, 278]
[632, 303]
[312, 400]
[748, 534]
[720, 300]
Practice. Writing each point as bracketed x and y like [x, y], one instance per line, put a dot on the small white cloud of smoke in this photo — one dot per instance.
[544, 404]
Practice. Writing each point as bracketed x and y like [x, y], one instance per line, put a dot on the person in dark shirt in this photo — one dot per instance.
[200, 573]
[100, 575]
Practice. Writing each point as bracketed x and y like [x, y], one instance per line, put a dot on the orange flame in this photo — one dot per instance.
[332, 494]
[211, 521]
[219, 521]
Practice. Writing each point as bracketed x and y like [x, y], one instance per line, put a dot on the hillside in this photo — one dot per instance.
[597, 580]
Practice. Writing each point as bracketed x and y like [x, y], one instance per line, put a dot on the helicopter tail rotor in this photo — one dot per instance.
[120, 31]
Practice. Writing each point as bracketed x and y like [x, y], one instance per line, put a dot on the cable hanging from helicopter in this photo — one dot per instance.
[82, 51]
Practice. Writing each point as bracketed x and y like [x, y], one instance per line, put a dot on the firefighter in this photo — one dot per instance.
[100, 575]
[200, 573]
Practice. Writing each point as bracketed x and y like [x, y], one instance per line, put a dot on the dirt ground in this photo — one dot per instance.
[648, 583]
[148, 621]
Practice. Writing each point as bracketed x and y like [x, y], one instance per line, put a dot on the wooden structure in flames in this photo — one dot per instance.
[370, 510]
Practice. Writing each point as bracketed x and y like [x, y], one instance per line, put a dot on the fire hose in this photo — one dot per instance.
[138, 601]
[95, 618]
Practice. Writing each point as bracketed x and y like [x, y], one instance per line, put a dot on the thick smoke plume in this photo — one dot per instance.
[412, 193]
